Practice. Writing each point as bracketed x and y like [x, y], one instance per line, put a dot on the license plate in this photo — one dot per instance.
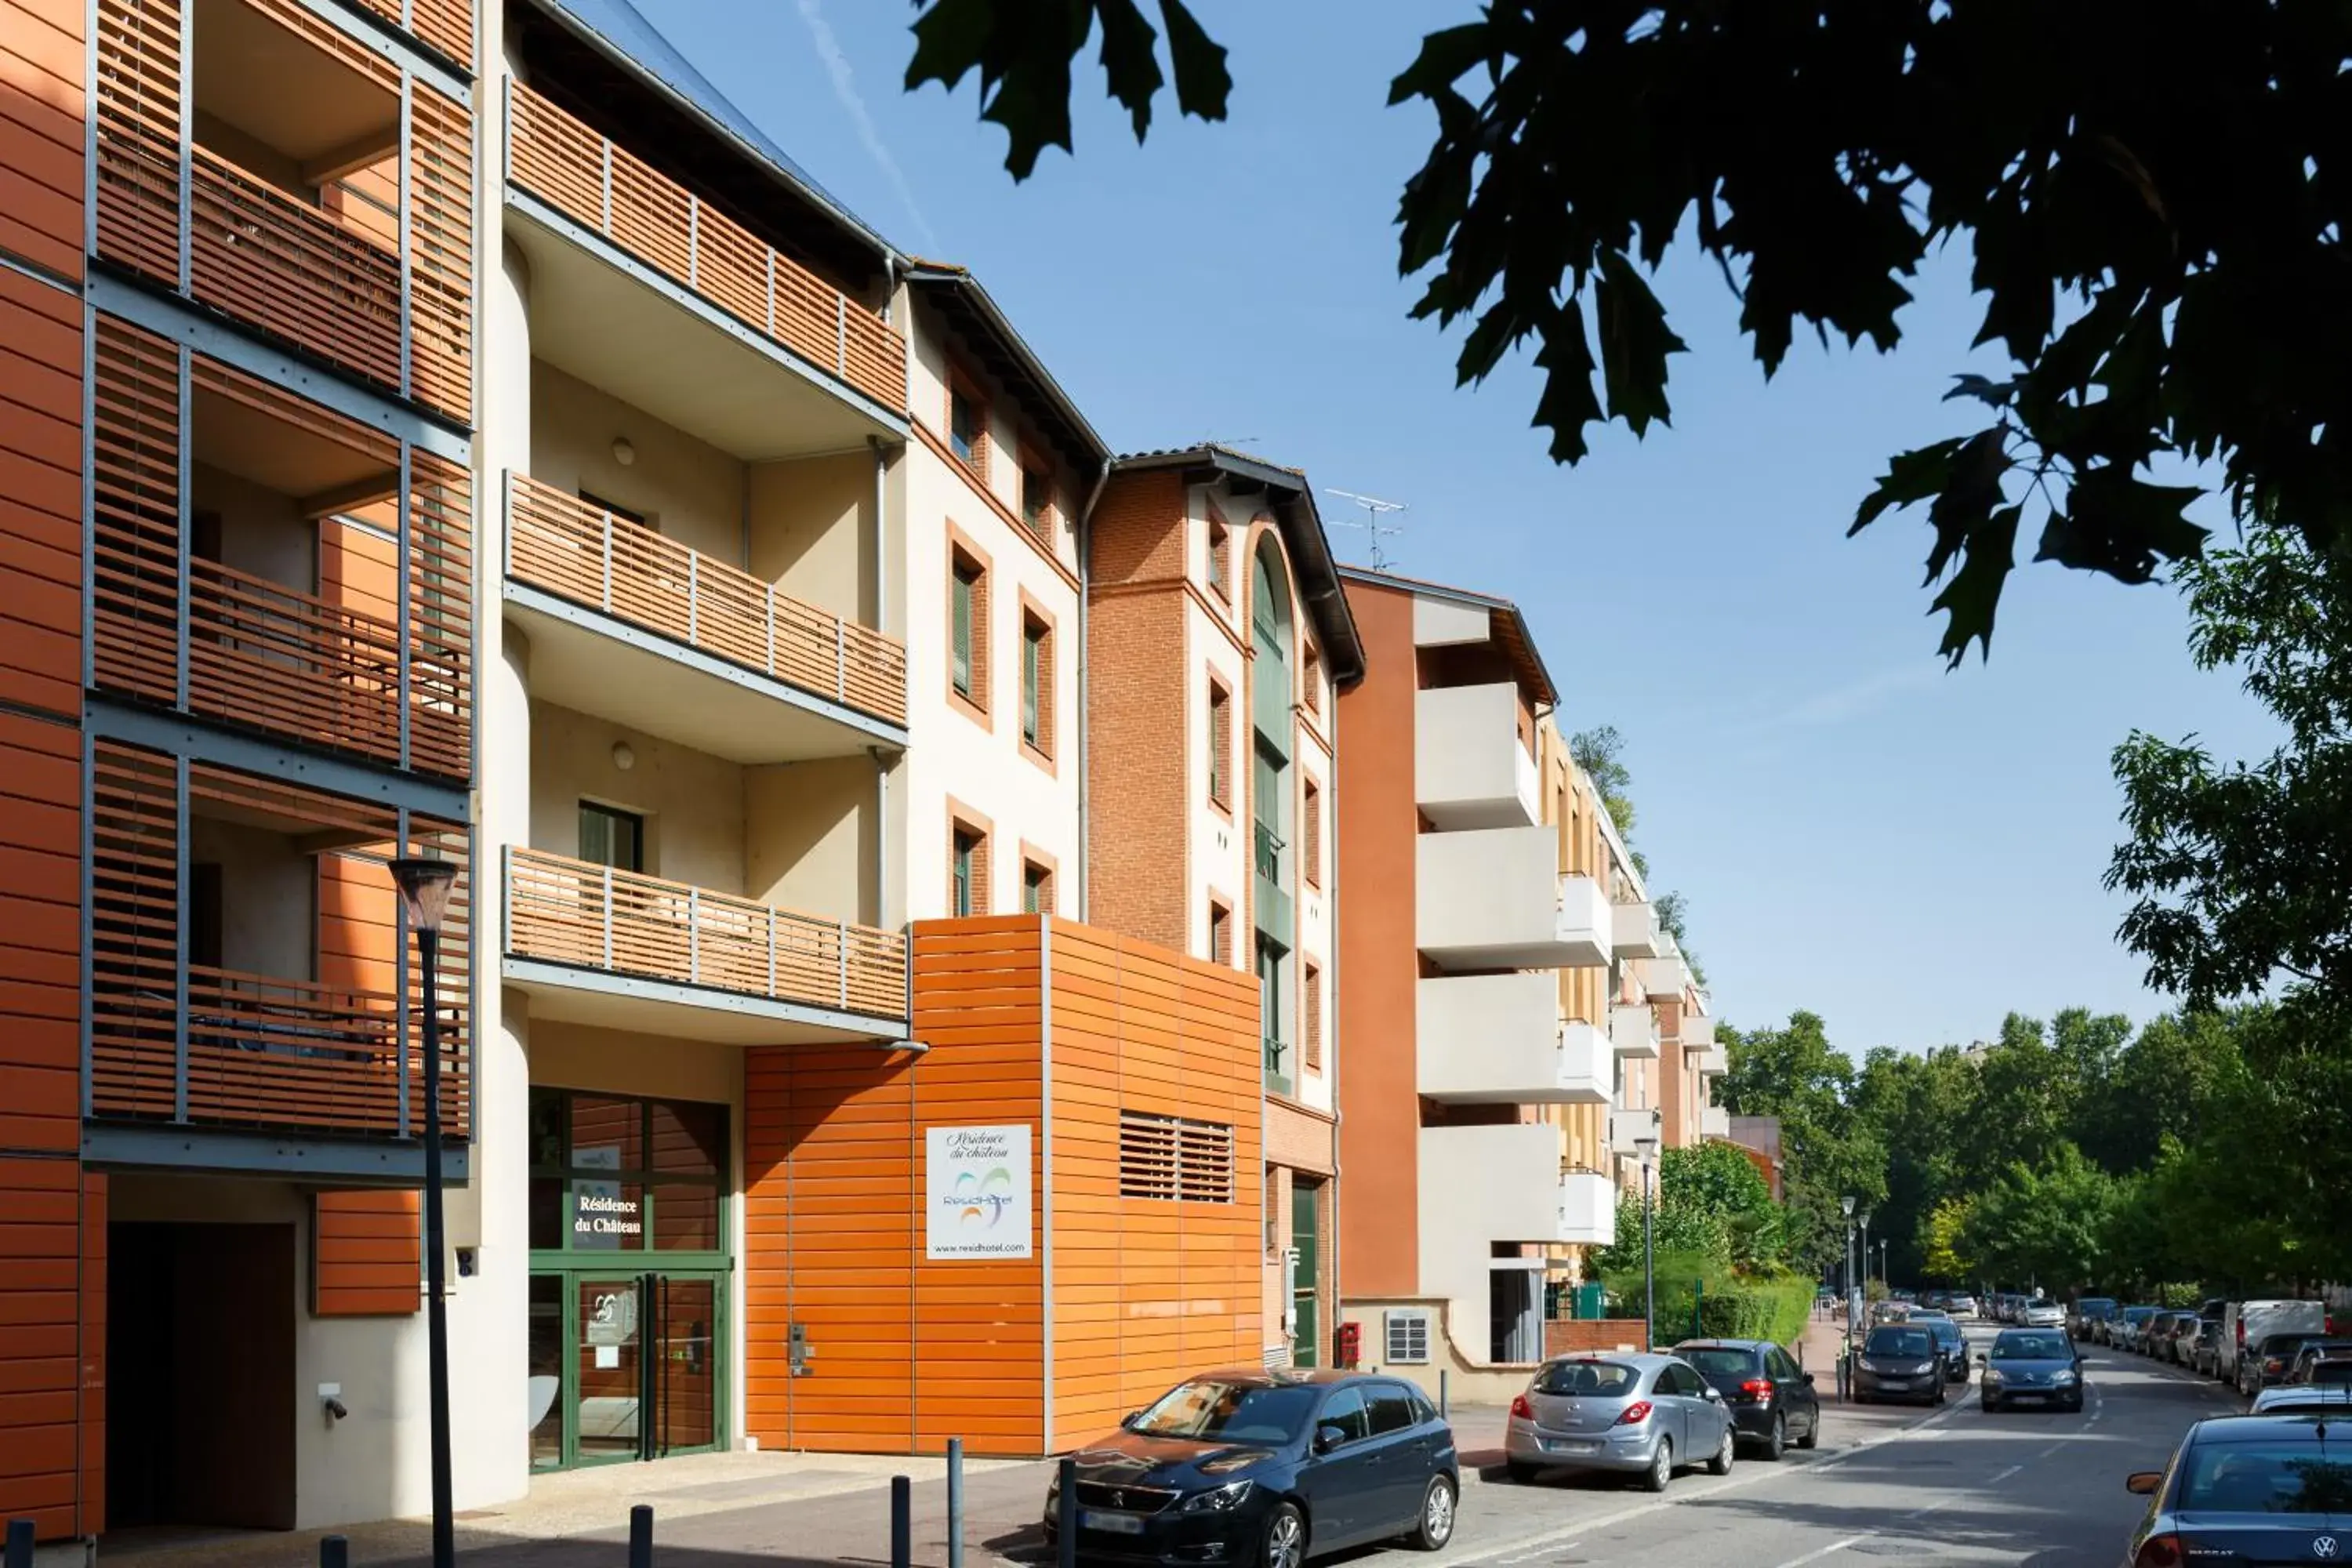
[1110, 1524]
[1568, 1446]
[2028, 1398]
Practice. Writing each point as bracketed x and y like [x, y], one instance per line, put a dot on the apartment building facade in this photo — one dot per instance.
[491, 446]
[1499, 1057]
[1219, 643]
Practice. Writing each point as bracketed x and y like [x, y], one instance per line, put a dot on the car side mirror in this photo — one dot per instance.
[1714, 1394]
[2144, 1482]
[1129, 1420]
[1328, 1437]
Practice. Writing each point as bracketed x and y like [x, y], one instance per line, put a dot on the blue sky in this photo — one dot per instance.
[1909, 853]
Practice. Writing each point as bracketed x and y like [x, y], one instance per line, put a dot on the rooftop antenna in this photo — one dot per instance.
[1375, 509]
[1230, 442]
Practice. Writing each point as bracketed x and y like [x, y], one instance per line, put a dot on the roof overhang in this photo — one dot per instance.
[973, 313]
[1506, 627]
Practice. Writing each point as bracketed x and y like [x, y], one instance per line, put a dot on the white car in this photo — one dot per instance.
[2042, 1315]
[2291, 1397]
[1964, 1307]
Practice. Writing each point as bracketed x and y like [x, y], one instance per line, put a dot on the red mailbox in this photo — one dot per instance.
[1349, 1351]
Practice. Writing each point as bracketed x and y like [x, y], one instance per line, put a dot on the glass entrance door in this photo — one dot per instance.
[1307, 1339]
[608, 1370]
[628, 1366]
[683, 1374]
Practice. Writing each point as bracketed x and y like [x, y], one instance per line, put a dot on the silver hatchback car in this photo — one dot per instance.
[1641, 1414]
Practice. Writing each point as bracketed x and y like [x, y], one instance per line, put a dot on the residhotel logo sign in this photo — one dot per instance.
[976, 1192]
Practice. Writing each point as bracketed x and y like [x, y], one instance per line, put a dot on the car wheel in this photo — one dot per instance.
[1520, 1471]
[1661, 1467]
[1435, 1526]
[1988, 1405]
[1776, 1441]
[1285, 1545]
[1724, 1452]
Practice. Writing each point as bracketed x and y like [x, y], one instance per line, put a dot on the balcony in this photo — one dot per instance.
[1715, 1121]
[1491, 899]
[1277, 1065]
[264, 178]
[1712, 1062]
[1498, 1039]
[1273, 907]
[1635, 932]
[1628, 1127]
[640, 286]
[636, 627]
[626, 951]
[1473, 765]
[1587, 1209]
[247, 964]
[1633, 1031]
[1664, 978]
[1503, 1183]
[1697, 1031]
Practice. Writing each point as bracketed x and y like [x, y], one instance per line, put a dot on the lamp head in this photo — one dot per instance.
[424, 882]
[1846, 1204]
[1648, 1146]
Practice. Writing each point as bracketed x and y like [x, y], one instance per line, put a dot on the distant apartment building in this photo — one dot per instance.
[1492, 1033]
[868, 1013]
[1219, 646]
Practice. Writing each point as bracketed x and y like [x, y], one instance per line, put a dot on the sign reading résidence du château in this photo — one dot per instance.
[976, 1192]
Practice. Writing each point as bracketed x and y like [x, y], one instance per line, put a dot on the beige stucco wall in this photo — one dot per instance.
[809, 837]
[692, 802]
[688, 489]
[810, 525]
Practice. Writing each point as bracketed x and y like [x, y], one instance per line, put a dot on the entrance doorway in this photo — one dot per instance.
[200, 1376]
[623, 1366]
[1307, 1250]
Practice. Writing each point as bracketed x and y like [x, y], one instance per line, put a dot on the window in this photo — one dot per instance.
[596, 502]
[1392, 1407]
[967, 872]
[1311, 680]
[968, 425]
[611, 838]
[1221, 557]
[1036, 684]
[1037, 508]
[1221, 932]
[205, 914]
[1310, 834]
[1036, 889]
[1406, 1333]
[1220, 743]
[968, 629]
[1171, 1158]
[613, 1174]
[1345, 1410]
[1311, 1001]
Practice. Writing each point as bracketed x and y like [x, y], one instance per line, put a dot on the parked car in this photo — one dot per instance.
[2330, 1367]
[2042, 1313]
[2125, 1331]
[2089, 1312]
[2201, 1349]
[1266, 1466]
[2325, 1398]
[1964, 1305]
[2155, 1340]
[1643, 1415]
[1950, 1343]
[2311, 1351]
[2267, 1364]
[2030, 1366]
[2244, 1489]
[1899, 1360]
[1770, 1398]
[2245, 1324]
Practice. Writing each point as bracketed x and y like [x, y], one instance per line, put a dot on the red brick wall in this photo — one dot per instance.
[1567, 1336]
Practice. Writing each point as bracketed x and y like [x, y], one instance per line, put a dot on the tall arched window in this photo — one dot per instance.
[1271, 785]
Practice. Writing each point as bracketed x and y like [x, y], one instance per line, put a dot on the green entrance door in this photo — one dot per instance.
[623, 1366]
[1307, 1346]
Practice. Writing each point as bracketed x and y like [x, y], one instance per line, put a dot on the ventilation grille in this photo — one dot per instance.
[1171, 1158]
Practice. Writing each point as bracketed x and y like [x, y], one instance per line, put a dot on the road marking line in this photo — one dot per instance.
[1835, 1546]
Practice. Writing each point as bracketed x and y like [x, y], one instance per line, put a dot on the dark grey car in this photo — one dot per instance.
[2032, 1366]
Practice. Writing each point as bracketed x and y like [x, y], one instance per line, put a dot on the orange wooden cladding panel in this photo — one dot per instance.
[41, 100]
[52, 1346]
[367, 1253]
[40, 935]
[1144, 1291]
[446, 25]
[40, 483]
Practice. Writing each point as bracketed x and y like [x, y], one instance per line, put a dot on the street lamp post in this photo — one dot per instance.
[1649, 1147]
[424, 884]
[1864, 1217]
[1846, 1371]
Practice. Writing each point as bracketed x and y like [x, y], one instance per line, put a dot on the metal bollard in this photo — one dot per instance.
[640, 1536]
[20, 1544]
[955, 1503]
[902, 1522]
[335, 1552]
[1442, 1406]
[1065, 1527]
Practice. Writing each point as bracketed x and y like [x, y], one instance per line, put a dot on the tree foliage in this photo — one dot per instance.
[2241, 871]
[2152, 194]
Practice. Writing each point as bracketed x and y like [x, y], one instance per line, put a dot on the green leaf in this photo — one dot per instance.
[1202, 81]
[1974, 591]
[1446, 56]
[1130, 68]
[1634, 343]
[1910, 478]
[2121, 526]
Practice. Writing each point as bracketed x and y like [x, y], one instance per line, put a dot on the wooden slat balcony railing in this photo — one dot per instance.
[561, 911]
[607, 188]
[262, 653]
[265, 1052]
[259, 254]
[588, 555]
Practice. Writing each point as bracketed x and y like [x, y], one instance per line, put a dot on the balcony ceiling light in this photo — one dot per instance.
[623, 453]
[624, 756]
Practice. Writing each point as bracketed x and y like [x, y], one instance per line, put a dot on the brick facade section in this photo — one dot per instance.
[1567, 1336]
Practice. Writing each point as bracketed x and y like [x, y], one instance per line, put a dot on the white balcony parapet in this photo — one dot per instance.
[1627, 1128]
[1587, 1209]
[1492, 1182]
[1633, 1031]
[1712, 1062]
[1665, 977]
[1493, 899]
[1635, 932]
[1499, 1039]
[1697, 1031]
[1472, 765]
[1715, 1121]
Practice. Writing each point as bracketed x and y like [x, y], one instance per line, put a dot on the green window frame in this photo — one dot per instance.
[1033, 648]
[962, 591]
[557, 1171]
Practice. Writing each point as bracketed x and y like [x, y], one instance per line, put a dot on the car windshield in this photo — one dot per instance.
[2290, 1475]
[1597, 1379]
[1912, 1342]
[2030, 1347]
[1227, 1412]
[2138, 1314]
[1720, 1361]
